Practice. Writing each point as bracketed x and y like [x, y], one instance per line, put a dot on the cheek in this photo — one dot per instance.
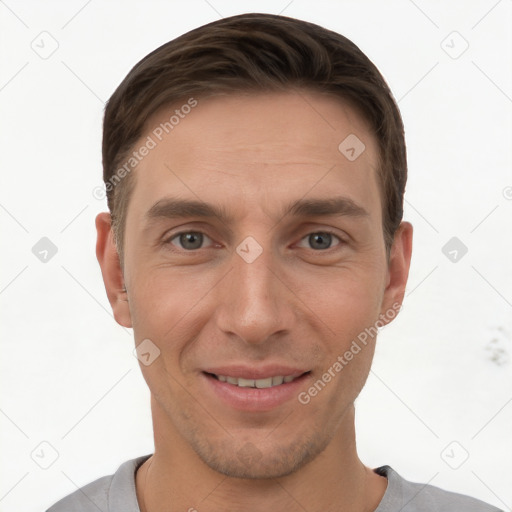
[161, 290]
[155, 305]
[346, 300]
[162, 309]
[169, 307]
[350, 316]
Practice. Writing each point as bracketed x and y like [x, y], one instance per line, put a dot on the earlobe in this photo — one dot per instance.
[398, 270]
[108, 258]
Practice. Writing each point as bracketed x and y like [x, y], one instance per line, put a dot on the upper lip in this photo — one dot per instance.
[252, 372]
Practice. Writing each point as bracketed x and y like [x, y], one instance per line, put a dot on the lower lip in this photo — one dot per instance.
[253, 399]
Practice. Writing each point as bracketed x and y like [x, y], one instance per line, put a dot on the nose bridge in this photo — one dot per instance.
[255, 304]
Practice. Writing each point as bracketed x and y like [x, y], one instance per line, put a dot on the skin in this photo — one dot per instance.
[295, 304]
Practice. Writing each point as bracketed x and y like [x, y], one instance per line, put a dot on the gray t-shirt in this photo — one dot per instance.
[116, 493]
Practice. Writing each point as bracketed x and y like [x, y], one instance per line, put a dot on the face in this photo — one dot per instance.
[254, 251]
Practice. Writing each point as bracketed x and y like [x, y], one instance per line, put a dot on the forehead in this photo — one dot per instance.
[276, 145]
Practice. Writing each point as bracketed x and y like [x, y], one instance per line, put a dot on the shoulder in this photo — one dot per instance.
[415, 497]
[113, 493]
[90, 497]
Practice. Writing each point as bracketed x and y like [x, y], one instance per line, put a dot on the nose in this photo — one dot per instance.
[255, 302]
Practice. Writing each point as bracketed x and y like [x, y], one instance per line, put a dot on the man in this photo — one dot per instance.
[255, 169]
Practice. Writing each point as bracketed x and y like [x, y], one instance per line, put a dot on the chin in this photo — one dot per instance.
[264, 460]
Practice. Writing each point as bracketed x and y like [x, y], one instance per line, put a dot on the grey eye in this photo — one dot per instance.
[189, 240]
[320, 240]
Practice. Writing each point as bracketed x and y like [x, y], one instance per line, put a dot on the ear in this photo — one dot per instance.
[398, 272]
[108, 258]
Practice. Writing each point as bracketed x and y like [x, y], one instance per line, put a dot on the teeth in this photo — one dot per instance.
[246, 383]
[256, 383]
[264, 383]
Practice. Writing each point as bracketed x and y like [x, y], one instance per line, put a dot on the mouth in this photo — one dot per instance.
[268, 382]
[248, 390]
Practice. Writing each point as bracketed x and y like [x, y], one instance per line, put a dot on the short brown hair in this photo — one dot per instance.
[253, 52]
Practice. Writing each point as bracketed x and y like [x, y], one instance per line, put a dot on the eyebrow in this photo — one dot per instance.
[175, 208]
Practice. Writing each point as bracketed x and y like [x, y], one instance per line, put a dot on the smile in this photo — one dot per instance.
[268, 382]
[251, 388]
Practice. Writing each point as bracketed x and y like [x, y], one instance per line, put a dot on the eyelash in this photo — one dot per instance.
[168, 241]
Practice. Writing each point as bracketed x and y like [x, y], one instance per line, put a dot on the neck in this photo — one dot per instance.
[176, 479]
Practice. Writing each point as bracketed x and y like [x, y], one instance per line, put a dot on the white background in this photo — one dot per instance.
[442, 370]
